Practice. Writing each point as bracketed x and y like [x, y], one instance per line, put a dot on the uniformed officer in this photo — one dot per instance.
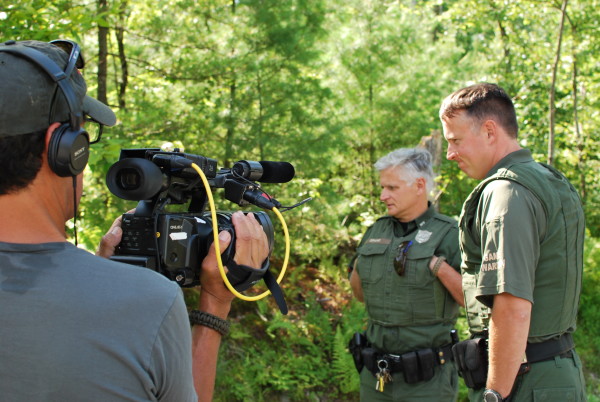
[406, 272]
[522, 232]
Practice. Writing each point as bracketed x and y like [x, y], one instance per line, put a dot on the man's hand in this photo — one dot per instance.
[252, 246]
[251, 249]
[110, 240]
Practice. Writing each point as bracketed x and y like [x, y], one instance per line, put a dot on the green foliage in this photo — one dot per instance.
[299, 356]
[45, 20]
[342, 367]
[587, 336]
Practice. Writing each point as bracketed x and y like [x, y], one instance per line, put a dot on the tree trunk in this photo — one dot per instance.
[578, 135]
[102, 54]
[230, 117]
[434, 144]
[553, 85]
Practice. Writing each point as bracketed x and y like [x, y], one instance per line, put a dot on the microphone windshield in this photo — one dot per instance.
[265, 171]
[277, 172]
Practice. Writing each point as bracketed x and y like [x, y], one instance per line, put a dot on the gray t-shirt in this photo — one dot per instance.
[77, 327]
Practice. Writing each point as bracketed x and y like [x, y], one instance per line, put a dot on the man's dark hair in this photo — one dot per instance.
[20, 160]
[481, 101]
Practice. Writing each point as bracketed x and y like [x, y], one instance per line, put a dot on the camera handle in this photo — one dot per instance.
[144, 208]
[269, 279]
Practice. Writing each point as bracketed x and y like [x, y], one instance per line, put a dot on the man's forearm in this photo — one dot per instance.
[356, 286]
[509, 329]
[205, 348]
[451, 280]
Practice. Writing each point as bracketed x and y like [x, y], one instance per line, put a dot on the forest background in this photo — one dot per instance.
[329, 86]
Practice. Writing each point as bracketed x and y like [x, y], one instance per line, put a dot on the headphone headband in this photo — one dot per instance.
[68, 148]
[57, 75]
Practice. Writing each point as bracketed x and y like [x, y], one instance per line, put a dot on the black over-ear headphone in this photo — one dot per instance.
[68, 150]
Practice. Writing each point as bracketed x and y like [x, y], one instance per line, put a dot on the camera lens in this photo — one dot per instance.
[128, 179]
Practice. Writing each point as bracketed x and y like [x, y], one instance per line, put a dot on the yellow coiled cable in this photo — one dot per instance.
[213, 214]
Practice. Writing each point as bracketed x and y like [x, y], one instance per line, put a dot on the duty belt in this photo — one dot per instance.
[537, 352]
[417, 365]
[472, 356]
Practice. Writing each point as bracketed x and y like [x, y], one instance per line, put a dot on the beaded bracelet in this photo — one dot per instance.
[437, 265]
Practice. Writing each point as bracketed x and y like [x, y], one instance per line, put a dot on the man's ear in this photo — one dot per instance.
[49, 133]
[51, 129]
[490, 129]
[421, 184]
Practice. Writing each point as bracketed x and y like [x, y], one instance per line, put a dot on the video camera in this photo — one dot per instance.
[174, 244]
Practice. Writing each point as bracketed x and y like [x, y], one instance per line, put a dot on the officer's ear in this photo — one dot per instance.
[490, 128]
[421, 184]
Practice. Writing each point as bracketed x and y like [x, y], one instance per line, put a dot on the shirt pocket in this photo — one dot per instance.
[422, 284]
[372, 261]
[417, 259]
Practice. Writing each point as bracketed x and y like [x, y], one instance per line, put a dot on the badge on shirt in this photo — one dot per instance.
[423, 236]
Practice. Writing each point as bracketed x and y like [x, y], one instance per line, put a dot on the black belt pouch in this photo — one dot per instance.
[356, 345]
[471, 359]
[426, 363]
[410, 367]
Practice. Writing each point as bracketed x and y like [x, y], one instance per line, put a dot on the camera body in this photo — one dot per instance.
[175, 243]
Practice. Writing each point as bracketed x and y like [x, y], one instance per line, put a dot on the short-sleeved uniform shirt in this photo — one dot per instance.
[522, 233]
[414, 310]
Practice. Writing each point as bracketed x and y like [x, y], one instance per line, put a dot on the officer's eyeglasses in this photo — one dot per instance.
[401, 257]
[74, 52]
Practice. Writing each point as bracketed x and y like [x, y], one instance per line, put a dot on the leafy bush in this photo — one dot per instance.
[587, 336]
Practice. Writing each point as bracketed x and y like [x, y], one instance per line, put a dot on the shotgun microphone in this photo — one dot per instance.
[264, 171]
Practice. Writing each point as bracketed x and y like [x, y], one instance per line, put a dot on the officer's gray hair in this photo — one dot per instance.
[414, 162]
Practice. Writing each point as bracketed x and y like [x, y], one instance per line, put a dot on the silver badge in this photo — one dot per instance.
[422, 236]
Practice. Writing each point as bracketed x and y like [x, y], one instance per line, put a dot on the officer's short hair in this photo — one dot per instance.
[482, 101]
[414, 162]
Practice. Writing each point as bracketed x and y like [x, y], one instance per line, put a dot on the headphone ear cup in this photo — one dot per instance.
[68, 151]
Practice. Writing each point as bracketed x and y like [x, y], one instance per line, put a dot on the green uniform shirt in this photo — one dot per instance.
[413, 311]
[522, 233]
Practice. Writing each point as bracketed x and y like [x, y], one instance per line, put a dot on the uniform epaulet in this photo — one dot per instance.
[385, 217]
[445, 218]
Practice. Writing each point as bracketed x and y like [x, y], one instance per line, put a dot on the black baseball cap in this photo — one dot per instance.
[30, 100]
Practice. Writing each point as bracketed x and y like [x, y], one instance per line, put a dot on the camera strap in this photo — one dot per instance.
[243, 277]
[276, 291]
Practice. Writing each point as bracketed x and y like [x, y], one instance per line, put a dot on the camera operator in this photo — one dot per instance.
[76, 326]
[406, 272]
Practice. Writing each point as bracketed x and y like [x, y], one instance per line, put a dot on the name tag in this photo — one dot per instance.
[379, 241]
